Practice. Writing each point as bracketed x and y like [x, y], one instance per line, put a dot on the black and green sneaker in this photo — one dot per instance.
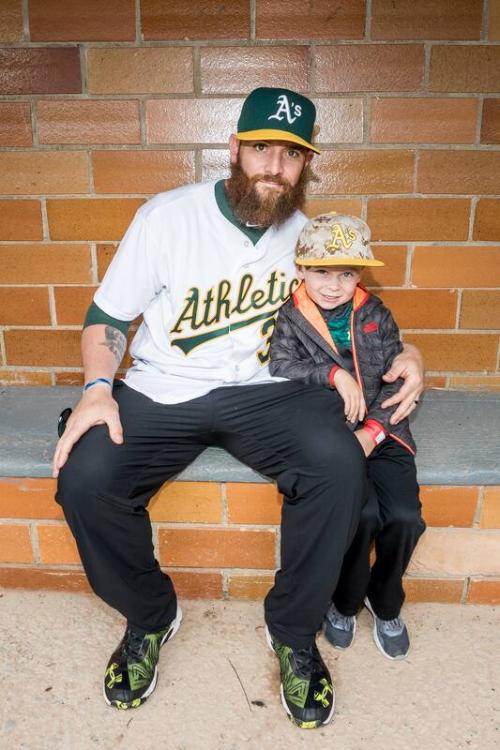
[307, 691]
[132, 671]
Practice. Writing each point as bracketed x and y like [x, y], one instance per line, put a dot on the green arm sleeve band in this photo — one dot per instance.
[96, 315]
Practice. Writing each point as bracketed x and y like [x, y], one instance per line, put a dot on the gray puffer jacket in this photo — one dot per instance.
[302, 349]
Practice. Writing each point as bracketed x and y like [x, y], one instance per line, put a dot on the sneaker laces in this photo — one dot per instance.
[392, 627]
[307, 661]
[339, 621]
[133, 644]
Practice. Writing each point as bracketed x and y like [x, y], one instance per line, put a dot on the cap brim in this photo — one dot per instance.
[268, 134]
[338, 262]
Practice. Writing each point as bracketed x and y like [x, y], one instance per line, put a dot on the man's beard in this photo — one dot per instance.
[272, 207]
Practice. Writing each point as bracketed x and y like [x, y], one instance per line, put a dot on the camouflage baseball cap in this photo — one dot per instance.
[279, 115]
[335, 240]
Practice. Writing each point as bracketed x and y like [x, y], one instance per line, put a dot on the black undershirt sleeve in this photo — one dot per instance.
[97, 316]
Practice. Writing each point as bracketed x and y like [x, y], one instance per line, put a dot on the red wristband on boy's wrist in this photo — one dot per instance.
[331, 375]
[375, 430]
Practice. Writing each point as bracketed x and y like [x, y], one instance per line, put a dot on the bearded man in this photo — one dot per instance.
[208, 266]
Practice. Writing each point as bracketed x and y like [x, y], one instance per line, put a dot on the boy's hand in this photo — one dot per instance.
[366, 441]
[354, 403]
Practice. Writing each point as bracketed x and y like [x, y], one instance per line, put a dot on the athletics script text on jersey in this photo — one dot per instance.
[214, 312]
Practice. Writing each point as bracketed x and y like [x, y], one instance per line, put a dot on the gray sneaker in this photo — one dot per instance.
[391, 636]
[339, 628]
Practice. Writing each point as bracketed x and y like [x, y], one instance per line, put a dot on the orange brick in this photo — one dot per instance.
[45, 263]
[190, 585]
[494, 21]
[189, 502]
[457, 553]
[21, 497]
[480, 309]
[215, 164]
[369, 67]
[94, 21]
[146, 70]
[456, 266]
[70, 378]
[15, 543]
[192, 120]
[315, 206]
[413, 308]
[141, 171]
[394, 271]
[427, 19]
[424, 219]
[456, 351]
[434, 381]
[23, 378]
[449, 506]
[105, 255]
[88, 122]
[43, 348]
[57, 546]
[217, 548]
[11, 21]
[458, 172]
[72, 303]
[20, 220]
[253, 503]
[39, 70]
[465, 68]
[251, 67]
[385, 171]
[290, 20]
[484, 592]
[487, 219]
[249, 587]
[43, 172]
[338, 121]
[440, 590]
[475, 383]
[419, 120]
[207, 19]
[490, 125]
[22, 306]
[45, 579]
[490, 514]
[15, 124]
[103, 219]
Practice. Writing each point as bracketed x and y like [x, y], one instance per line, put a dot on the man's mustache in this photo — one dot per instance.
[270, 178]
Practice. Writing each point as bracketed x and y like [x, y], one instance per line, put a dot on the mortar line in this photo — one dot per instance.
[138, 29]
[52, 305]
[486, 21]
[252, 10]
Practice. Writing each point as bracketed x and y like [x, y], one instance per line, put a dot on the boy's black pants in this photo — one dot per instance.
[292, 432]
[393, 519]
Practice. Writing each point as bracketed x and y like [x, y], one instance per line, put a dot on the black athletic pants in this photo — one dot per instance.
[392, 518]
[291, 432]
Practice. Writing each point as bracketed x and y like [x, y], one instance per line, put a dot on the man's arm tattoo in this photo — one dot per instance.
[115, 341]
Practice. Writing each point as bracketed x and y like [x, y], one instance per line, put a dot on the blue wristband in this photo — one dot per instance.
[95, 382]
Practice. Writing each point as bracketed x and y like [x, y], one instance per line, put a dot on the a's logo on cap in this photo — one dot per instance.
[285, 110]
[342, 237]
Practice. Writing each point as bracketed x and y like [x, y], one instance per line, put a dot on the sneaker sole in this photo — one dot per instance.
[377, 639]
[122, 705]
[340, 648]
[297, 722]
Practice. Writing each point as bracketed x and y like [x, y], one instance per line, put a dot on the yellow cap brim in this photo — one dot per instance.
[268, 134]
[337, 262]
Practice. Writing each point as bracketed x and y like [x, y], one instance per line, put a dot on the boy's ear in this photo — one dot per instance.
[300, 271]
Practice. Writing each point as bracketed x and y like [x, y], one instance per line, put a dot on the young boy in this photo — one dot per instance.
[334, 333]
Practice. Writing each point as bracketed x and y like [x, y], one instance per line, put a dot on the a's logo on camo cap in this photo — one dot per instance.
[335, 240]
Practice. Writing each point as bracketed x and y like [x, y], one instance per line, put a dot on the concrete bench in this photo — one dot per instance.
[216, 526]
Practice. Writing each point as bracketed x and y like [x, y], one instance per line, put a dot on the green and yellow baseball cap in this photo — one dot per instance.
[277, 114]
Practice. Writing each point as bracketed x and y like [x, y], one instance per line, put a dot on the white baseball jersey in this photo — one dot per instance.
[208, 295]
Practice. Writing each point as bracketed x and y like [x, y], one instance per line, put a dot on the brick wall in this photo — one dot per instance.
[222, 541]
[103, 104]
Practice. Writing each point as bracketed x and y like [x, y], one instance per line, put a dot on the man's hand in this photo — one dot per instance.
[97, 406]
[408, 365]
[352, 395]
[365, 440]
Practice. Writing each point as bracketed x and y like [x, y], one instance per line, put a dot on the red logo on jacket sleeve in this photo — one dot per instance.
[370, 327]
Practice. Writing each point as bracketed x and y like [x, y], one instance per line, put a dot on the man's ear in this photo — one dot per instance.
[234, 147]
[309, 156]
